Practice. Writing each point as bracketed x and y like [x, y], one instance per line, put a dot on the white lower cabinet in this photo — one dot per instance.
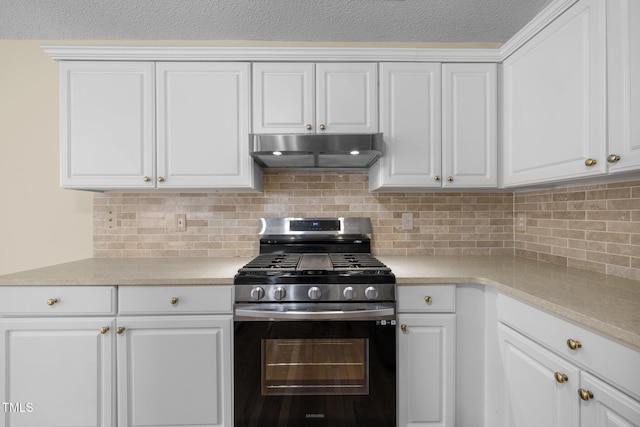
[174, 371]
[67, 360]
[608, 407]
[57, 364]
[426, 356]
[554, 373]
[57, 372]
[538, 387]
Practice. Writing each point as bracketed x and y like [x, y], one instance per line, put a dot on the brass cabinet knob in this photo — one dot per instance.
[146, 179]
[613, 158]
[585, 394]
[403, 328]
[104, 330]
[573, 344]
[561, 378]
[52, 301]
[436, 178]
[323, 127]
[428, 299]
[120, 329]
[160, 179]
[590, 162]
[450, 178]
[309, 127]
[174, 300]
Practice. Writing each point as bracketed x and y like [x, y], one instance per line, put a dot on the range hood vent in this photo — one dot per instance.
[316, 151]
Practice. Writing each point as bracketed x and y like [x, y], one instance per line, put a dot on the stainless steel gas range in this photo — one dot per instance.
[315, 328]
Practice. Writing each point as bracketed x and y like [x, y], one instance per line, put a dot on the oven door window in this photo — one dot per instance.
[315, 367]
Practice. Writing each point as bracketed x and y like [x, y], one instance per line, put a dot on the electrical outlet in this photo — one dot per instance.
[110, 220]
[407, 221]
[181, 222]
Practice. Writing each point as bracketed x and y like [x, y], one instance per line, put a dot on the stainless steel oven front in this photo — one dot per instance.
[315, 364]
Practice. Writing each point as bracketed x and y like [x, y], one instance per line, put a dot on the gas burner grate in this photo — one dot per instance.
[273, 261]
[351, 261]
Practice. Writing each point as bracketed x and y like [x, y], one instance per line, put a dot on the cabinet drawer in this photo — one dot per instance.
[608, 359]
[57, 300]
[174, 299]
[426, 298]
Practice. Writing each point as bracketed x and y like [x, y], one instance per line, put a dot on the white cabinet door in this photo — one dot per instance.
[410, 121]
[554, 100]
[203, 126]
[623, 53]
[607, 407]
[538, 388]
[107, 125]
[469, 129]
[346, 98]
[315, 98]
[174, 371]
[57, 372]
[426, 370]
[283, 98]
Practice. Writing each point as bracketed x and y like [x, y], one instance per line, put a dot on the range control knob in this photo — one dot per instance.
[314, 293]
[279, 293]
[348, 292]
[257, 293]
[371, 292]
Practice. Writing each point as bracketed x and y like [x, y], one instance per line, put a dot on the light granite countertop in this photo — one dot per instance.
[606, 304]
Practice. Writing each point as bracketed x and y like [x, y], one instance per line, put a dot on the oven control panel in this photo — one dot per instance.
[315, 292]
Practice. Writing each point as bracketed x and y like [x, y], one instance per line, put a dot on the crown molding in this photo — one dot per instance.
[259, 54]
[537, 24]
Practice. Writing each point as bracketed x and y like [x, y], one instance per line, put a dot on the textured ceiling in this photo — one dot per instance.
[426, 21]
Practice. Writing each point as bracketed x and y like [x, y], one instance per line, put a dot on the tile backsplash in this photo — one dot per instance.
[594, 227]
[223, 224]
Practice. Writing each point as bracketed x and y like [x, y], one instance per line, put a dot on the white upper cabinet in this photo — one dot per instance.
[107, 124]
[439, 124]
[315, 98]
[410, 122]
[283, 98]
[203, 126]
[346, 98]
[554, 98]
[623, 53]
[469, 125]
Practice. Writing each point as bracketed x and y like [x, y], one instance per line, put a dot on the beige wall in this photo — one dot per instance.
[40, 224]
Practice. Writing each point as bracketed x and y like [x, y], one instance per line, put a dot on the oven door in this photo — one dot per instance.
[315, 365]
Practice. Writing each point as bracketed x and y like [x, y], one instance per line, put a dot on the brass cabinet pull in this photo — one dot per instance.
[428, 299]
[146, 179]
[436, 178]
[590, 162]
[561, 378]
[309, 127]
[403, 328]
[450, 178]
[323, 127]
[573, 344]
[585, 394]
[52, 301]
[613, 158]
[160, 179]
[120, 330]
[174, 300]
[104, 330]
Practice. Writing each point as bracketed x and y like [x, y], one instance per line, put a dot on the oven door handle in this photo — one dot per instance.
[366, 314]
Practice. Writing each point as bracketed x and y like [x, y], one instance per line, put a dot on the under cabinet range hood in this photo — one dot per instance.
[316, 151]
